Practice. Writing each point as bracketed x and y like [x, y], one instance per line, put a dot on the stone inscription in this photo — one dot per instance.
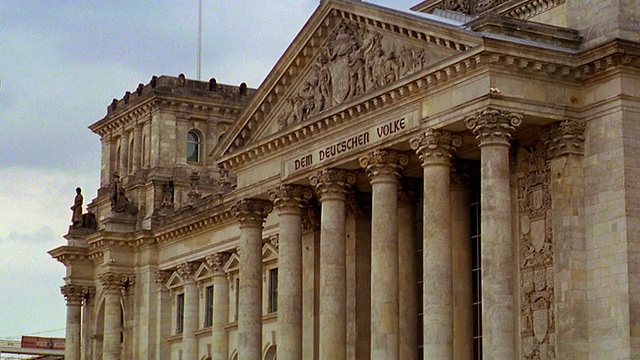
[349, 144]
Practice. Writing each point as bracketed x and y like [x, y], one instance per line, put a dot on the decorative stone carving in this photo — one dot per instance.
[310, 218]
[119, 201]
[536, 254]
[116, 281]
[290, 198]
[194, 194]
[161, 277]
[493, 126]
[483, 6]
[332, 183]
[224, 183]
[435, 146]
[274, 240]
[471, 7]
[566, 137]
[187, 270]
[384, 164]
[167, 195]
[217, 261]
[75, 294]
[252, 211]
[354, 61]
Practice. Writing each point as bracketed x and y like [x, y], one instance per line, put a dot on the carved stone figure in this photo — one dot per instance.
[167, 195]
[119, 201]
[76, 209]
[356, 60]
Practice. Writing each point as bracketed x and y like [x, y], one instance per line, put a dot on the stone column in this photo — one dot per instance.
[493, 129]
[189, 341]
[407, 273]
[137, 149]
[163, 313]
[124, 154]
[383, 168]
[219, 340]
[289, 200]
[331, 187]
[87, 323]
[251, 214]
[435, 149]
[73, 294]
[112, 285]
[565, 145]
[461, 243]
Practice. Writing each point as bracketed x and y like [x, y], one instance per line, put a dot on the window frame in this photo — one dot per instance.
[197, 144]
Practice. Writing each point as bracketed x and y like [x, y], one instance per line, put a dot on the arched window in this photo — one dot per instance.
[193, 147]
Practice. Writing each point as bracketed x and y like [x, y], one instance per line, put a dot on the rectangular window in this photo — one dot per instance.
[208, 312]
[179, 313]
[235, 316]
[476, 270]
[273, 290]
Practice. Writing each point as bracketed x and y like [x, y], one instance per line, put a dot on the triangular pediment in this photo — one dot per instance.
[346, 51]
[269, 252]
[203, 273]
[174, 281]
[233, 264]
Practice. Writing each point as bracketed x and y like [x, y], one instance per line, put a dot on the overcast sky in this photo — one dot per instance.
[61, 64]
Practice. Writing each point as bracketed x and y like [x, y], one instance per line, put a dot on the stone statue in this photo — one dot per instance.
[119, 201]
[76, 209]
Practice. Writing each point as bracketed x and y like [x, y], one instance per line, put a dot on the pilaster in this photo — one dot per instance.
[189, 341]
[219, 338]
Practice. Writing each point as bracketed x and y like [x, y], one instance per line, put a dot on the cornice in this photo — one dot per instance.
[206, 217]
[66, 254]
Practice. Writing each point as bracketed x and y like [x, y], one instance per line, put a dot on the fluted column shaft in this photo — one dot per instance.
[251, 215]
[163, 314]
[124, 154]
[190, 316]
[331, 187]
[407, 275]
[493, 129]
[289, 200]
[219, 340]
[74, 296]
[383, 168]
[113, 284]
[137, 149]
[435, 150]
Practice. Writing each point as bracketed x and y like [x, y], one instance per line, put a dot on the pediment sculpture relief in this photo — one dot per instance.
[355, 60]
[470, 6]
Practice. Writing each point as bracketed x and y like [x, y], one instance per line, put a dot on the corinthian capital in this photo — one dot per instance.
[116, 281]
[566, 137]
[493, 126]
[187, 270]
[216, 262]
[384, 164]
[290, 198]
[252, 211]
[332, 183]
[435, 146]
[75, 294]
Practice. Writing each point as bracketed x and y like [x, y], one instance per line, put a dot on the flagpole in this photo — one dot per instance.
[199, 38]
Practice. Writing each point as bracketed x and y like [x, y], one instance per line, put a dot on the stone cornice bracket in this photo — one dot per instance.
[290, 198]
[493, 126]
[216, 262]
[435, 147]
[565, 137]
[252, 212]
[332, 183]
[75, 294]
[116, 281]
[187, 270]
[384, 165]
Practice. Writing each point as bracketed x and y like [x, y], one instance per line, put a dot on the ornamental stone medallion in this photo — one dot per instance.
[537, 321]
[354, 61]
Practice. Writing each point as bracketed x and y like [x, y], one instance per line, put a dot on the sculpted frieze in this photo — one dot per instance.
[537, 328]
[355, 60]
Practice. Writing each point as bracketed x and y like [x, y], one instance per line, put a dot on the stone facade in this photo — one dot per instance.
[452, 185]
